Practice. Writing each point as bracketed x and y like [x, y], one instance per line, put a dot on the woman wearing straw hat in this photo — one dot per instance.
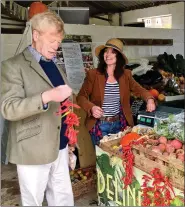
[105, 93]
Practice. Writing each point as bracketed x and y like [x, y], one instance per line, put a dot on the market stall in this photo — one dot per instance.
[143, 165]
[163, 77]
[159, 83]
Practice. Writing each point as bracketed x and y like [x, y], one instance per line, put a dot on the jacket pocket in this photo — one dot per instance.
[28, 127]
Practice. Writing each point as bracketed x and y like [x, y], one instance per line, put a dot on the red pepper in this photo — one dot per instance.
[128, 161]
[71, 120]
[160, 192]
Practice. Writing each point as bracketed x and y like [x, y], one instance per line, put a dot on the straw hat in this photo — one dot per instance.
[113, 43]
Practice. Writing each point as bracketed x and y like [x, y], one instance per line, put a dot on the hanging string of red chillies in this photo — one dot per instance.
[160, 191]
[128, 161]
[72, 120]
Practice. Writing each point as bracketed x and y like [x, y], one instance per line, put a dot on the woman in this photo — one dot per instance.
[105, 93]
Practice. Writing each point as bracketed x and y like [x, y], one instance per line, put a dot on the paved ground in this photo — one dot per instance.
[10, 194]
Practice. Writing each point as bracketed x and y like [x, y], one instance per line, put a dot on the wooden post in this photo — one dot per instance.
[87, 155]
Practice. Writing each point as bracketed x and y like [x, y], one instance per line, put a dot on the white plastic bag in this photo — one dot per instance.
[72, 158]
[72, 161]
[143, 68]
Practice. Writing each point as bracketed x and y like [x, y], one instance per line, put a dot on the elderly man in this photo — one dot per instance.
[32, 88]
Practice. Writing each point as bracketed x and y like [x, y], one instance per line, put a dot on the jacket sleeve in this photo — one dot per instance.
[14, 103]
[85, 92]
[138, 90]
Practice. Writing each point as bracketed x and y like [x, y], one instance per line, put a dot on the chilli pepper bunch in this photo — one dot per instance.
[156, 189]
[72, 120]
[128, 162]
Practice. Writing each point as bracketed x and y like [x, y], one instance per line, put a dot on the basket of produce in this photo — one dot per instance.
[83, 181]
[155, 151]
[111, 143]
[167, 155]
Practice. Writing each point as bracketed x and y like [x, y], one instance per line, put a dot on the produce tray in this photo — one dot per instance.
[146, 160]
[174, 98]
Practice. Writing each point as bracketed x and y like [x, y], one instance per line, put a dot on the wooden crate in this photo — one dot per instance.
[108, 147]
[87, 156]
[146, 160]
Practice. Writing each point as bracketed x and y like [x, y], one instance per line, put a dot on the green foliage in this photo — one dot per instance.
[177, 201]
[113, 166]
[103, 162]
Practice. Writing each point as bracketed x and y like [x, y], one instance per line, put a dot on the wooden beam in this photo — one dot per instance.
[11, 30]
[147, 5]
[100, 9]
[146, 42]
[120, 19]
[8, 13]
[105, 12]
[102, 18]
[95, 4]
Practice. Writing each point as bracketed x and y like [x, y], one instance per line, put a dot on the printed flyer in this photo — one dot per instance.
[75, 57]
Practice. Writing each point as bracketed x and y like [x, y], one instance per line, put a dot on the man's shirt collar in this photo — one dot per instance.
[38, 56]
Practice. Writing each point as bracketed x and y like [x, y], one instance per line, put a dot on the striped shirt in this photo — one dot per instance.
[111, 104]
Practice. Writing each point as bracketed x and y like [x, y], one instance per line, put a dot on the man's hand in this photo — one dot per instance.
[97, 112]
[71, 148]
[150, 105]
[57, 94]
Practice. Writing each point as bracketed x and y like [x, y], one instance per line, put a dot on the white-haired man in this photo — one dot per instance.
[32, 88]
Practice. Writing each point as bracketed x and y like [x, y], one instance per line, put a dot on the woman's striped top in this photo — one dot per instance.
[111, 104]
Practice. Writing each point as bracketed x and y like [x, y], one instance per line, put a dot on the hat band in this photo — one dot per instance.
[108, 44]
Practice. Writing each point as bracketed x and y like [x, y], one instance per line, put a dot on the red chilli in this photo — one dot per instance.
[72, 120]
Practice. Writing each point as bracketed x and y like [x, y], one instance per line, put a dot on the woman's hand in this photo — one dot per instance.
[97, 112]
[150, 105]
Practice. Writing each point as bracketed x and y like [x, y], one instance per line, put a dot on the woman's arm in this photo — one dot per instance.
[85, 92]
[141, 92]
[138, 90]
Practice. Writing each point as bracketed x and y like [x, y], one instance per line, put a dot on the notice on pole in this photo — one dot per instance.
[73, 64]
[75, 57]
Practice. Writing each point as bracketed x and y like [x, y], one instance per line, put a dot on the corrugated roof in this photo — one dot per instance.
[104, 7]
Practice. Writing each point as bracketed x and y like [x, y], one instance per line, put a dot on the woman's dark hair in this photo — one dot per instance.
[120, 63]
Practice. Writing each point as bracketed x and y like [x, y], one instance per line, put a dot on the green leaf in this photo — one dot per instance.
[177, 201]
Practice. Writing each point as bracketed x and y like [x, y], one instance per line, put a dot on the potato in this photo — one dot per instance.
[162, 147]
[163, 140]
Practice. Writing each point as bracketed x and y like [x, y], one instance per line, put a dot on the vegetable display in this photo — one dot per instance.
[161, 154]
[169, 63]
[170, 126]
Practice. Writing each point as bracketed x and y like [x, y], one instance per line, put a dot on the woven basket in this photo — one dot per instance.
[146, 160]
[84, 186]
